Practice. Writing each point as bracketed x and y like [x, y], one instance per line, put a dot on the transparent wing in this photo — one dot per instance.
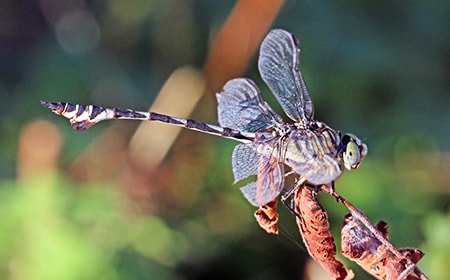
[244, 161]
[241, 107]
[269, 183]
[279, 65]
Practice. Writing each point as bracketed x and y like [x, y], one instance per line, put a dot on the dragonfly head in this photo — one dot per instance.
[353, 151]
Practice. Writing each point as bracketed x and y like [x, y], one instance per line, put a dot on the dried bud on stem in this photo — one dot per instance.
[267, 217]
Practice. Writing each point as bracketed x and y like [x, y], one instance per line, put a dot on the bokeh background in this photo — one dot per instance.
[127, 200]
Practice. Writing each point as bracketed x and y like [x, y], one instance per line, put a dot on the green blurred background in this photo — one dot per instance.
[78, 206]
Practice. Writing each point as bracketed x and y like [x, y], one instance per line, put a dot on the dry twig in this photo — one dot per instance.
[397, 259]
[362, 247]
[312, 221]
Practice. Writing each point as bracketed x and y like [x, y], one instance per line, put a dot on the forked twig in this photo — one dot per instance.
[381, 236]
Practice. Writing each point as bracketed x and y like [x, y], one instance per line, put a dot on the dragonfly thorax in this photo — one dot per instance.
[315, 153]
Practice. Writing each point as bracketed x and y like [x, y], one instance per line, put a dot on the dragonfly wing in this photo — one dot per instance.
[241, 107]
[269, 183]
[279, 65]
[244, 161]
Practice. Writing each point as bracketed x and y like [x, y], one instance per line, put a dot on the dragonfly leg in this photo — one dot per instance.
[316, 189]
[332, 187]
[289, 173]
[332, 192]
[289, 205]
[288, 193]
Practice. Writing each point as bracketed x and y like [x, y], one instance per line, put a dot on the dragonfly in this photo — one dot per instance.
[309, 148]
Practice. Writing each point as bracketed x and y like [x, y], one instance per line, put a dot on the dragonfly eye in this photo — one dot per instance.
[354, 151]
[352, 156]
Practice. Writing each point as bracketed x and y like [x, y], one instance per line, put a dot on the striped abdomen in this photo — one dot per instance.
[83, 117]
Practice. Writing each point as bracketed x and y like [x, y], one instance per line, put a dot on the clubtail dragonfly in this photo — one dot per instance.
[310, 148]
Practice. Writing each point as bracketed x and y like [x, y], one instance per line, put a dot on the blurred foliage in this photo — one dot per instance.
[379, 69]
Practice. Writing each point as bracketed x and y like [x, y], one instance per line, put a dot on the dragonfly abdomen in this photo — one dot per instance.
[83, 117]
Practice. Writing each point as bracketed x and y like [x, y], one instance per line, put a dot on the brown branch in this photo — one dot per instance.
[398, 262]
[312, 221]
